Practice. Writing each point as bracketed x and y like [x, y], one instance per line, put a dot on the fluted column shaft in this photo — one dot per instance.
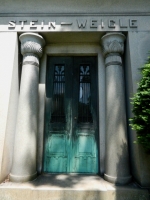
[25, 146]
[117, 161]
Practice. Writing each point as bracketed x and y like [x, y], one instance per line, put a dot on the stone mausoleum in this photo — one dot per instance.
[67, 72]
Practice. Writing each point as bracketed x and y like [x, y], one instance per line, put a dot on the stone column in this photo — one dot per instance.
[25, 146]
[117, 161]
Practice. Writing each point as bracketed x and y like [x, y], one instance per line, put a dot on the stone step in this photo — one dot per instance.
[70, 187]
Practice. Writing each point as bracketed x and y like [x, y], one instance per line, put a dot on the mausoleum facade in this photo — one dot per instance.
[67, 73]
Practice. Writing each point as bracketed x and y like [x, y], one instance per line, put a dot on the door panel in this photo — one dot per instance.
[71, 128]
[85, 155]
[57, 117]
[85, 126]
[56, 159]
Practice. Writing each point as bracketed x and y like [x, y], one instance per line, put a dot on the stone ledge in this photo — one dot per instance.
[70, 187]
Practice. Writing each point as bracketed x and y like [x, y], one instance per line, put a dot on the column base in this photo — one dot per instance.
[118, 180]
[15, 178]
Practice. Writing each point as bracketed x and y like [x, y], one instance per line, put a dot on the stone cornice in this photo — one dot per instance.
[73, 14]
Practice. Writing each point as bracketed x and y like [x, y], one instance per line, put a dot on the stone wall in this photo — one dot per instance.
[137, 51]
[82, 6]
[9, 89]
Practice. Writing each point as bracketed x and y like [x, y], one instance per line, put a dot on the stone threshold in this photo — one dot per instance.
[70, 187]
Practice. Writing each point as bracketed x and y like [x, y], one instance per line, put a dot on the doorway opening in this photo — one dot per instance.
[71, 116]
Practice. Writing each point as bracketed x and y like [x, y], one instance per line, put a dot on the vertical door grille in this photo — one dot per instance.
[58, 105]
[84, 106]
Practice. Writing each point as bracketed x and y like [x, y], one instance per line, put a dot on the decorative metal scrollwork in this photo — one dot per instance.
[84, 108]
[58, 106]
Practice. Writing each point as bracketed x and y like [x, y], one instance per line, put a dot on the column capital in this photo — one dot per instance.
[113, 43]
[31, 43]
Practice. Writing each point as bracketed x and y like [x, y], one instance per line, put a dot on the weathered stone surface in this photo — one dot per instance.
[40, 135]
[9, 89]
[116, 160]
[137, 51]
[25, 146]
[70, 187]
[82, 6]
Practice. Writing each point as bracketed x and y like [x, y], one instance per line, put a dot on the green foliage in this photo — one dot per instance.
[141, 109]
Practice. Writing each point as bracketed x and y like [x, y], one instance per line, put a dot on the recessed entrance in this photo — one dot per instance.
[71, 121]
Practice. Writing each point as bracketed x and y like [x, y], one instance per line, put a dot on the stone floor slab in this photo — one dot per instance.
[70, 187]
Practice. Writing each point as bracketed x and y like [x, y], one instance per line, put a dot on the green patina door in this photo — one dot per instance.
[71, 120]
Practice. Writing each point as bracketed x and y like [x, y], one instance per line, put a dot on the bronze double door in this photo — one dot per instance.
[71, 115]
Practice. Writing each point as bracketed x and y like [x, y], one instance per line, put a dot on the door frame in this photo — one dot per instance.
[72, 50]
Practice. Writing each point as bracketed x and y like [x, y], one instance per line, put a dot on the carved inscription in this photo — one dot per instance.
[111, 24]
[81, 24]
